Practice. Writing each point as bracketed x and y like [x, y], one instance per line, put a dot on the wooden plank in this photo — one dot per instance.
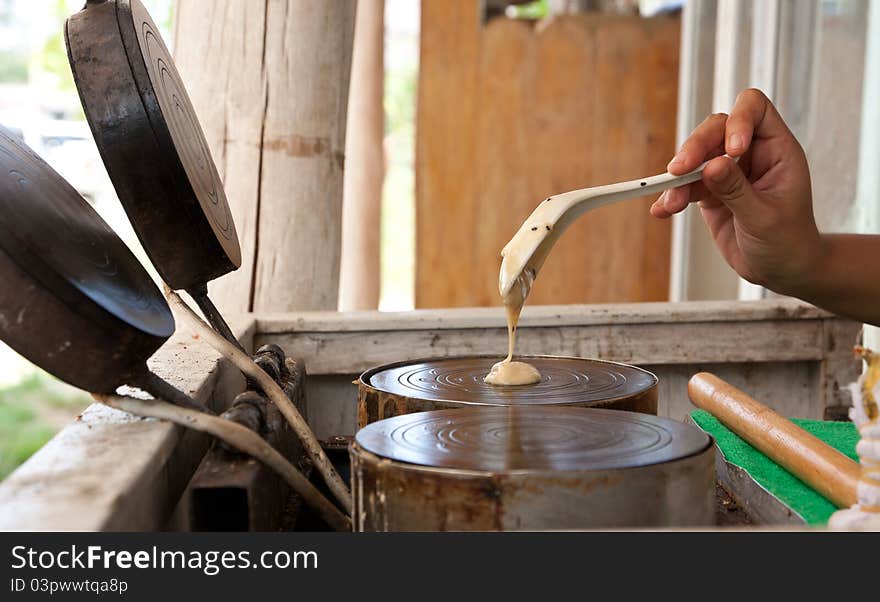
[777, 309]
[616, 244]
[111, 471]
[659, 142]
[270, 82]
[792, 388]
[563, 157]
[837, 367]
[577, 101]
[347, 352]
[502, 162]
[763, 331]
[445, 153]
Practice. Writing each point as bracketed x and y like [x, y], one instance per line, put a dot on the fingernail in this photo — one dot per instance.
[663, 197]
[735, 143]
[678, 159]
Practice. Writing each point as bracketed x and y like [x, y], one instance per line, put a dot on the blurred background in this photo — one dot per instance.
[471, 112]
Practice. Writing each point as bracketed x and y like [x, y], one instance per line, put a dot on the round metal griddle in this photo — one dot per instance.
[74, 299]
[532, 468]
[153, 147]
[423, 385]
[531, 438]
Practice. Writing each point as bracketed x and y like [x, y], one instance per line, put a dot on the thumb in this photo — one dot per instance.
[726, 181]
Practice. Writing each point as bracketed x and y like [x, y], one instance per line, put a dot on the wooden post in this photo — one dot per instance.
[359, 275]
[269, 81]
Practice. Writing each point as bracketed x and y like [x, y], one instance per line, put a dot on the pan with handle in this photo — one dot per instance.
[157, 157]
[153, 147]
[75, 300]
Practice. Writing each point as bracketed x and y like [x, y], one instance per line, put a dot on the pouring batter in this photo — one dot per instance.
[526, 252]
[508, 372]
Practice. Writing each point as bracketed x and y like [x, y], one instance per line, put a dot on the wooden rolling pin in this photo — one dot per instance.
[811, 460]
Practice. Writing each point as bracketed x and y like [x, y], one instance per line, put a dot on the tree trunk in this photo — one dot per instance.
[359, 276]
[269, 81]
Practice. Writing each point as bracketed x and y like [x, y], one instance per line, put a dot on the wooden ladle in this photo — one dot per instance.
[526, 252]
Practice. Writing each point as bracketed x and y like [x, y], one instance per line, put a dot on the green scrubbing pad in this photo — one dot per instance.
[799, 496]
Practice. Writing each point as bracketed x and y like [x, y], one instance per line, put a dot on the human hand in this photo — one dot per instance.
[759, 209]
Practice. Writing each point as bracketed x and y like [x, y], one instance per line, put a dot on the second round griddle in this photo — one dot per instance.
[438, 384]
[564, 380]
[536, 438]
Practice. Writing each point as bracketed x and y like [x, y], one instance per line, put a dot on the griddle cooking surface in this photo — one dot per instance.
[53, 234]
[563, 380]
[531, 438]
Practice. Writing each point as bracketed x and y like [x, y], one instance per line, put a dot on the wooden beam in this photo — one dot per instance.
[111, 471]
[270, 83]
[542, 315]
[650, 333]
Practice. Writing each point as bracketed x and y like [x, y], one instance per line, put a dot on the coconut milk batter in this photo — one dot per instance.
[508, 372]
[526, 252]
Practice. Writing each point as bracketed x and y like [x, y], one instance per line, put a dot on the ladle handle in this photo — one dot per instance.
[598, 196]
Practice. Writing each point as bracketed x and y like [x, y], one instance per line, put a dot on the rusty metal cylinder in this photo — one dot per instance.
[530, 468]
[424, 385]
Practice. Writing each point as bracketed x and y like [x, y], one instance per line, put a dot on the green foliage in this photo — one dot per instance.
[13, 68]
[400, 105]
[19, 445]
[398, 208]
[533, 10]
[31, 412]
[162, 12]
[51, 59]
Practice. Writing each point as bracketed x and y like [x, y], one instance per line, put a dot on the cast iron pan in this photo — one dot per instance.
[74, 299]
[153, 146]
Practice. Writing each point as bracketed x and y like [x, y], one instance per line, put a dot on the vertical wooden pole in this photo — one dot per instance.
[269, 81]
[359, 274]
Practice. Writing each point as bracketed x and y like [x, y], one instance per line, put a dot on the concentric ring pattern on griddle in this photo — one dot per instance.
[183, 125]
[531, 438]
[564, 380]
[56, 236]
[151, 143]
